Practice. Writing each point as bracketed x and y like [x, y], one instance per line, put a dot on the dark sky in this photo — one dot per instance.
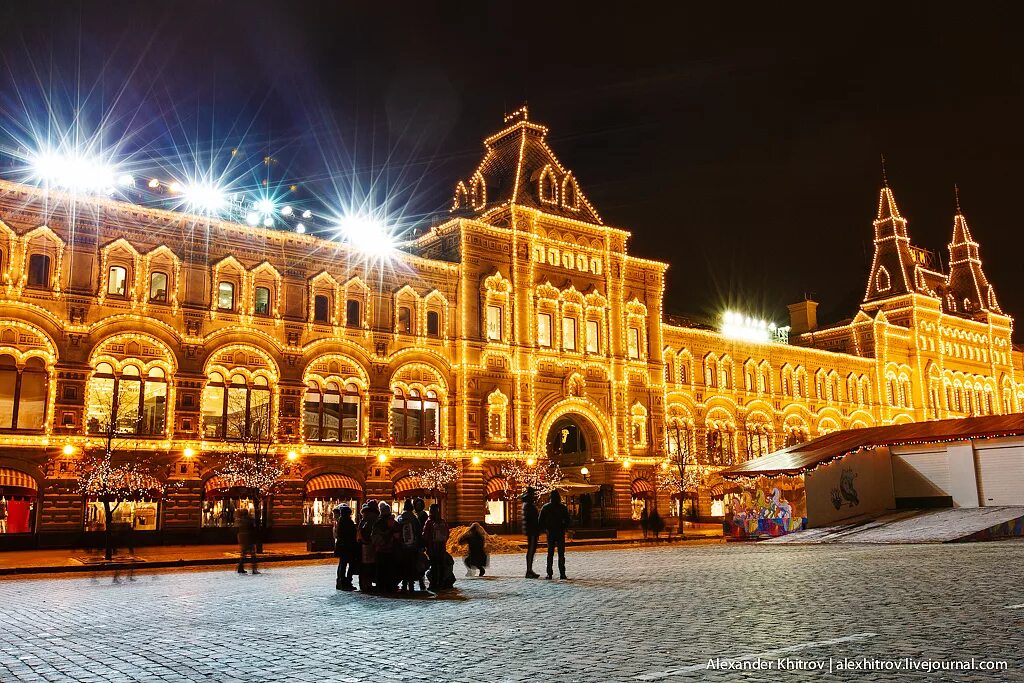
[741, 146]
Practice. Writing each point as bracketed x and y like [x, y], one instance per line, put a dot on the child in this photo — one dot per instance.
[475, 538]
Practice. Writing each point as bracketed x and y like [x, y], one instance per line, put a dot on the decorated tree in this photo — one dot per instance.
[254, 463]
[526, 471]
[435, 478]
[681, 475]
[113, 474]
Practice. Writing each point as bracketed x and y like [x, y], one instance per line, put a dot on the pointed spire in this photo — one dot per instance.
[885, 178]
[961, 233]
[887, 208]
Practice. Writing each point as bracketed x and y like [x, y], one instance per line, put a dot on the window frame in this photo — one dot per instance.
[540, 327]
[350, 320]
[226, 385]
[350, 390]
[414, 396]
[124, 282]
[118, 376]
[220, 295]
[167, 280]
[499, 312]
[16, 393]
[573, 327]
[325, 318]
[256, 300]
[595, 337]
[436, 317]
[47, 282]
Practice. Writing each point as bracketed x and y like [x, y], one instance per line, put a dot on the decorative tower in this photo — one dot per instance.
[967, 289]
[893, 265]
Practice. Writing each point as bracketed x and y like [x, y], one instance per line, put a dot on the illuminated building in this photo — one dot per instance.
[519, 328]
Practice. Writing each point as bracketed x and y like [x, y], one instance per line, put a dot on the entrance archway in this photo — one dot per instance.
[572, 441]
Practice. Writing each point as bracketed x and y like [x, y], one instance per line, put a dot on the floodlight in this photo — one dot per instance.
[286, 211]
[126, 180]
[300, 228]
[203, 198]
[175, 187]
[153, 184]
[307, 214]
[367, 235]
[252, 218]
[74, 172]
[265, 206]
[268, 221]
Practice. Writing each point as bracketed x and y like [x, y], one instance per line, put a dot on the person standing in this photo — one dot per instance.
[645, 520]
[246, 531]
[531, 529]
[554, 519]
[411, 540]
[435, 536]
[419, 506]
[346, 547]
[385, 541]
[368, 565]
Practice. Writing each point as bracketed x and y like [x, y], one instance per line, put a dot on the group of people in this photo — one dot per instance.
[397, 554]
[651, 523]
[393, 554]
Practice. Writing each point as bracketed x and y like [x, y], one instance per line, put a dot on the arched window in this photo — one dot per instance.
[39, 271]
[261, 301]
[332, 415]
[405, 319]
[882, 282]
[352, 317]
[710, 376]
[126, 401]
[321, 308]
[795, 435]
[236, 409]
[719, 446]
[117, 281]
[22, 394]
[158, 287]
[678, 438]
[226, 296]
[414, 419]
[758, 441]
[433, 324]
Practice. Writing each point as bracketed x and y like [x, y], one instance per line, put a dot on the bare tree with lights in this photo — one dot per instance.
[525, 471]
[253, 465]
[441, 472]
[113, 474]
[681, 474]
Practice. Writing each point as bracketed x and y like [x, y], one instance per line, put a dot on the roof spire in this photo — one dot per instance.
[956, 194]
[885, 178]
[521, 114]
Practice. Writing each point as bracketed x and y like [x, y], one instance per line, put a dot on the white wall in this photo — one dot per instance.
[962, 470]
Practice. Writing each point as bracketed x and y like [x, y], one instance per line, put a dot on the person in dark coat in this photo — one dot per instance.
[645, 520]
[384, 538]
[368, 560]
[246, 530]
[420, 507]
[475, 538]
[531, 529]
[435, 537]
[656, 523]
[554, 519]
[346, 547]
[409, 547]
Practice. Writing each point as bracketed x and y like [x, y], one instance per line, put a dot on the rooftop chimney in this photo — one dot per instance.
[803, 317]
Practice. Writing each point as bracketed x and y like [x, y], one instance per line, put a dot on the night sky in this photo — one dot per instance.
[741, 147]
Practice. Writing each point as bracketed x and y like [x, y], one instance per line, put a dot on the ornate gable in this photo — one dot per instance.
[519, 168]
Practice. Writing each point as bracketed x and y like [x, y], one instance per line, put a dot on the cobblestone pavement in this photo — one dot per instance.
[627, 615]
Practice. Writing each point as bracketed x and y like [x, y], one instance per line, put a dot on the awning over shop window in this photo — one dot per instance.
[327, 484]
[15, 479]
[408, 486]
[495, 489]
[642, 488]
[571, 488]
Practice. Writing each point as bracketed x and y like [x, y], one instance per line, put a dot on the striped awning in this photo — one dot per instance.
[16, 478]
[718, 490]
[217, 484]
[642, 488]
[495, 489]
[338, 482]
[406, 486]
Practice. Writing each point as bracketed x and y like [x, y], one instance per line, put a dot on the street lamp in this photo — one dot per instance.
[585, 473]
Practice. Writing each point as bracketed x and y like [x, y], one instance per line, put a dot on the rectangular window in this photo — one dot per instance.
[633, 346]
[544, 329]
[569, 334]
[262, 304]
[433, 323]
[352, 313]
[39, 270]
[593, 337]
[226, 296]
[321, 308]
[494, 315]
[117, 281]
[350, 419]
[405, 320]
[8, 382]
[158, 287]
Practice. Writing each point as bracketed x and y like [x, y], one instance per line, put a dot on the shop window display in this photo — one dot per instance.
[142, 515]
[219, 508]
[17, 510]
[494, 513]
[317, 511]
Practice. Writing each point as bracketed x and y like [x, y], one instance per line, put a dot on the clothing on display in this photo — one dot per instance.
[220, 512]
[140, 514]
[319, 510]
